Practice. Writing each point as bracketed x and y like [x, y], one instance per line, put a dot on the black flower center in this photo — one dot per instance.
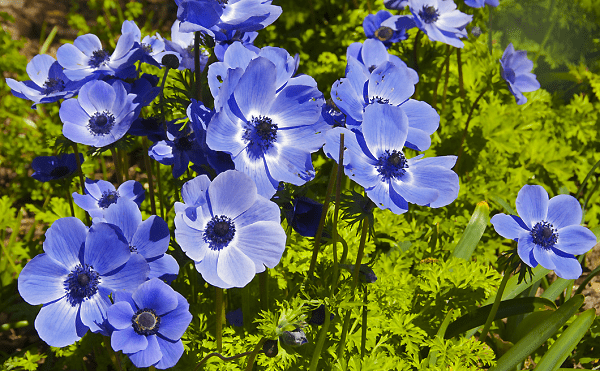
[53, 85]
[183, 143]
[260, 132]
[81, 284]
[378, 99]
[60, 172]
[145, 322]
[101, 123]
[108, 198]
[219, 232]
[391, 164]
[429, 14]
[544, 234]
[384, 33]
[99, 58]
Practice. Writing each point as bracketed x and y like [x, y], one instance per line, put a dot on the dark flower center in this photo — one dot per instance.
[133, 249]
[183, 143]
[260, 132]
[145, 322]
[60, 172]
[81, 284]
[544, 235]
[391, 165]
[99, 58]
[384, 33]
[377, 99]
[429, 14]
[101, 123]
[53, 85]
[219, 232]
[108, 198]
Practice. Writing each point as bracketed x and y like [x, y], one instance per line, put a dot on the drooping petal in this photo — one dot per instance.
[532, 204]
[575, 239]
[508, 226]
[58, 323]
[42, 280]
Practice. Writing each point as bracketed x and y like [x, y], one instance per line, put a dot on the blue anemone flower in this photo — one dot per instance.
[372, 53]
[482, 3]
[74, 277]
[440, 20]
[516, 71]
[151, 48]
[548, 231]
[100, 194]
[100, 115]
[376, 28]
[48, 168]
[86, 57]
[149, 238]
[375, 160]
[395, 4]
[269, 134]
[228, 229]
[387, 84]
[246, 38]
[48, 82]
[182, 43]
[149, 324]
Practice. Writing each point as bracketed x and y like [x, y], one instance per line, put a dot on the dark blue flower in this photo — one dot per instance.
[304, 216]
[395, 4]
[100, 194]
[440, 20]
[387, 84]
[149, 238]
[182, 43]
[48, 82]
[74, 277]
[86, 57]
[318, 316]
[548, 231]
[178, 150]
[48, 168]
[376, 27]
[235, 317]
[269, 134]
[101, 114]
[482, 3]
[149, 324]
[375, 160]
[516, 71]
[228, 229]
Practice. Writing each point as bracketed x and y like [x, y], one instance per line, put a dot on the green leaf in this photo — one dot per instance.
[565, 344]
[479, 220]
[542, 332]
[507, 308]
[513, 288]
[557, 288]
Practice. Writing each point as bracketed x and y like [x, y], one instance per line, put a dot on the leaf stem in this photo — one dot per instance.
[197, 72]
[150, 177]
[490, 318]
[313, 260]
[314, 362]
[80, 173]
[219, 313]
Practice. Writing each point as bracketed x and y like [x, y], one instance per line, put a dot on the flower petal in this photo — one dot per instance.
[193, 191]
[157, 295]
[128, 340]
[42, 280]
[508, 226]
[231, 193]
[93, 311]
[58, 323]
[208, 269]
[564, 210]
[171, 352]
[263, 242]
[151, 237]
[126, 215]
[532, 205]
[64, 241]
[119, 315]
[149, 356]
[127, 277]
[105, 248]
[525, 248]
[567, 266]
[255, 91]
[174, 323]
[234, 267]
[384, 128]
[575, 239]
[164, 267]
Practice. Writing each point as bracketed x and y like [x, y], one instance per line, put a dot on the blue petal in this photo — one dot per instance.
[289, 164]
[133, 190]
[174, 323]
[93, 311]
[433, 174]
[575, 239]
[125, 215]
[564, 210]
[64, 241]
[38, 68]
[374, 53]
[296, 105]
[193, 191]
[128, 340]
[234, 267]
[58, 324]
[119, 315]
[270, 248]
[231, 193]
[532, 204]
[171, 352]
[422, 118]
[508, 226]
[151, 237]
[223, 134]
[567, 266]
[105, 248]
[164, 267]
[384, 196]
[190, 239]
[255, 91]
[127, 277]
[347, 93]
[88, 44]
[261, 210]
[41, 280]
[208, 269]
[526, 82]
[70, 57]
[391, 82]
[384, 128]
[525, 248]
[410, 188]
[149, 356]
[157, 295]
[97, 96]
[546, 257]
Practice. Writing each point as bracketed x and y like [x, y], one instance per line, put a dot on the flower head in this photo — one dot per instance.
[516, 71]
[54, 167]
[440, 20]
[74, 277]
[395, 4]
[375, 27]
[149, 324]
[182, 43]
[101, 114]
[547, 232]
[100, 194]
[228, 229]
[482, 3]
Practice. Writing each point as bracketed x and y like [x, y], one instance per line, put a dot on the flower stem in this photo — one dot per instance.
[313, 260]
[363, 339]
[80, 172]
[490, 30]
[446, 77]
[150, 178]
[263, 282]
[314, 362]
[226, 359]
[118, 173]
[69, 197]
[492, 314]
[160, 191]
[245, 308]
[416, 57]
[587, 177]
[257, 349]
[197, 71]
[462, 140]
[336, 210]
[461, 85]
[439, 75]
[219, 313]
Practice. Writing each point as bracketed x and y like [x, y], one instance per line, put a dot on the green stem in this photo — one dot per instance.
[363, 339]
[314, 362]
[439, 76]
[446, 81]
[336, 210]
[587, 199]
[587, 280]
[226, 359]
[246, 307]
[219, 313]
[197, 71]
[465, 130]
[150, 178]
[162, 94]
[461, 85]
[252, 357]
[160, 191]
[124, 158]
[587, 177]
[416, 57]
[114, 357]
[490, 318]
[69, 197]
[555, 17]
[103, 166]
[117, 163]
[263, 282]
[313, 260]
[81, 181]
[490, 30]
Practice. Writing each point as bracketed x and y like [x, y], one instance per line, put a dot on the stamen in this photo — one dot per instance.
[219, 232]
[145, 322]
[429, 14]
[384, 33]
[391, 165]
[260, 132]
[99, 58]
[101, 123]
[108, 198]
[81, 283]
[544, 234]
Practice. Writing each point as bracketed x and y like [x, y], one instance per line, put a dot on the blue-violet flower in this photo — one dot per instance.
[440, 20]
[48, 168]
[100, 194]
[516, 71]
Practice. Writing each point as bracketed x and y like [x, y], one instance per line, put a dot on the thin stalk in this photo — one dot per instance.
[313, 260]
[490, 30]
[160, 191]
[336, 210]
[263, 282]
[69, 197]
[462, 140]
[117, 163]
[103, 166]
[363, 338]
[226, 359]
[447, 78]
[587, 177]
[80, 173]
[587, 199]
[11, 240]
[246, 307]
[150, 178]
[197, 71]
[114, 357]
[162, 93]
[416, 57]
[219, 312]
[124, 157]
[252, 357]
[314, 362]
[587, 280]
[494, 310]
[439, 75]
[461, 85]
